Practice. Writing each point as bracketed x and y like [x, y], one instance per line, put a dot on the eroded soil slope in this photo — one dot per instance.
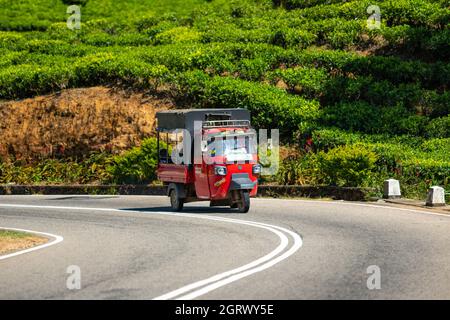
[76, 121]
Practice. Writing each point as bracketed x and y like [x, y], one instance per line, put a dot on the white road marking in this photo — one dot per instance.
[57, 240]
[227, 277]
[298, 242]
[359, 205]
[222, 279]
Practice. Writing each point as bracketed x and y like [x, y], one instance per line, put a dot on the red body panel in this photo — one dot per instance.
[175, 173]
[220, 185]
[201, 181]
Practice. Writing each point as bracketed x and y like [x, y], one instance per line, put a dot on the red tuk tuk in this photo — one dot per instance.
[208, 155]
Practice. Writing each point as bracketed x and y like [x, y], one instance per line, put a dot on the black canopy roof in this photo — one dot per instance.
[184, 118]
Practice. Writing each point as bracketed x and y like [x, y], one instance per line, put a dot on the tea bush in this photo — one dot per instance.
[301, 170]
[270, 107]
[439, 127]
[358, 116]
[348, 166]
[292, 4]
[176, 35]
[137, 165]
[309, 82]
[93, 169]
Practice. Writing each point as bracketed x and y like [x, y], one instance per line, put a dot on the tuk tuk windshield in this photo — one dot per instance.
[233, 147]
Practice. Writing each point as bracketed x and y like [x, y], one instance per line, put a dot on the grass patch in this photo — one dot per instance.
[13, 234]
[11, 241]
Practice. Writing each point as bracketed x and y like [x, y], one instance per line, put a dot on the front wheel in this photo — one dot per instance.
[175, 201]
[244, 201]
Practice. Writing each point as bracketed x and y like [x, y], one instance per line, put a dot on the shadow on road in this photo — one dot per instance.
[190, 210]
[82, 198]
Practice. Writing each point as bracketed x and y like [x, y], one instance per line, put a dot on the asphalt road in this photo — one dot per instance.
[129, 248]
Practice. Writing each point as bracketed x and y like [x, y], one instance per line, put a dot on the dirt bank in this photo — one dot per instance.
[76, 121]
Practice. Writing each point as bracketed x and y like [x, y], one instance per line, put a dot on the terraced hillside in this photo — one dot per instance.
[354, 104]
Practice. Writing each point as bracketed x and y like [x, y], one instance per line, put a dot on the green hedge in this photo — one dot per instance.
[393, 69]
[307, 81]
[93, 169]
[137, 165]
[366, 118]
[367, 160]
[271, 108]
[293, 4]
[349, 166]
[25, 80]
[439, 127]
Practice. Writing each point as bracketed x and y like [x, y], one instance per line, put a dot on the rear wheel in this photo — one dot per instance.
[175, 201]
[244, 201]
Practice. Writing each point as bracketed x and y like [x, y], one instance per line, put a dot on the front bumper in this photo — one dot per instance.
[241, 181]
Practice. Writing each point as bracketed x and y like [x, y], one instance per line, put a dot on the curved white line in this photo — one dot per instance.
[298, 242]
[57, 240]
[234, 272]
[221, 279]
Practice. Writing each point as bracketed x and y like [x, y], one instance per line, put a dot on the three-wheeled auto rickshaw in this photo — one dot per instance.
[208, 155]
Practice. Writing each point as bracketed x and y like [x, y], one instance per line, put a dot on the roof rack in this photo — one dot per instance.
[226, 123]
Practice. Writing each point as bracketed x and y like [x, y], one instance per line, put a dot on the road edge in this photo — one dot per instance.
[57, 239]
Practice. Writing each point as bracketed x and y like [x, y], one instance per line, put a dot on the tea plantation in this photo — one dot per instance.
[354, 104]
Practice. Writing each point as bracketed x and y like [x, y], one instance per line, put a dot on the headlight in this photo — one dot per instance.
[220, 171]
[257, 169]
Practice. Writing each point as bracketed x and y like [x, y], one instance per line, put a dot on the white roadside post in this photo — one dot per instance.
[436, 197]
[392, 189]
